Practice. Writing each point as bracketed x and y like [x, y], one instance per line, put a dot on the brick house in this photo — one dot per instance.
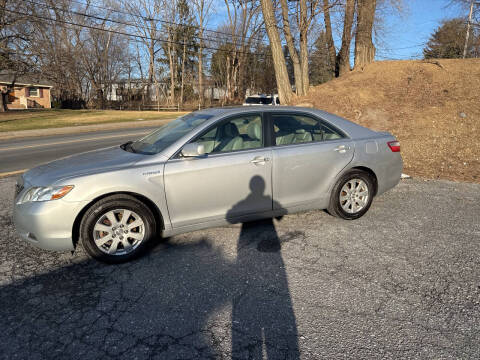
[29, 92]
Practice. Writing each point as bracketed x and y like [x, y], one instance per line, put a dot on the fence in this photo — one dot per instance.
[163, 107]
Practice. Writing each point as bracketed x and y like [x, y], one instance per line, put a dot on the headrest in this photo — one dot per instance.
[230, 130]
[300, 131]
[318, 131]
[254, 131]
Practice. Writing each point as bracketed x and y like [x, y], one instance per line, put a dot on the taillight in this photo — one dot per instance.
[394, 146]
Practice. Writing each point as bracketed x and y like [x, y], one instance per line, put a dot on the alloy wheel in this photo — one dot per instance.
[354, 196]
[118, 232]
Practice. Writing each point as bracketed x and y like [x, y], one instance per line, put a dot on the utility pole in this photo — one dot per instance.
[468, 29]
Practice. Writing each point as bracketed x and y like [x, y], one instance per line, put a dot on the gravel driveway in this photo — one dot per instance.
[402, 282]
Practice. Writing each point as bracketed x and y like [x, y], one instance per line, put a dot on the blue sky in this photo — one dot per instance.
[406, 34]
[403, 34]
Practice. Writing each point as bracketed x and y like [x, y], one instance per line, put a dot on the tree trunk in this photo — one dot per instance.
[281, 74]
[364, 48]
[328, 32]
[151, 64]
[228, 82]
[304, 62]
[234, 76]
[343, 59]
[200, 67]
[297, 71]
[3, 100]
[183, 70]
[172, 72]
[304, 46]
[241, 77]
[100, 99]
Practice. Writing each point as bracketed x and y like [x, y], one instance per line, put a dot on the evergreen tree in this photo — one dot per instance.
[449, 39]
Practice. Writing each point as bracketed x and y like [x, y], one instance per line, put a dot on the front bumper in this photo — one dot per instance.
[47, 224]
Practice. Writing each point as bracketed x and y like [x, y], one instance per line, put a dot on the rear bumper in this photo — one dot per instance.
[47, 225]
[391, 174]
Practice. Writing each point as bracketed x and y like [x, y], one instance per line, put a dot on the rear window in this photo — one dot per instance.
[299, 128]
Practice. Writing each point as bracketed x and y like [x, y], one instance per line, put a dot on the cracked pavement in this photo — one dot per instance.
[401, 282]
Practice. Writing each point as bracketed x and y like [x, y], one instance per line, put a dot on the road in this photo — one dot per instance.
[401, 282]
[21, 154]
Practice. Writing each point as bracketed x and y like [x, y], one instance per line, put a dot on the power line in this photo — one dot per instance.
[143, 37]
[50, 7]
[118, 32]
[405, 48]
[159, 20]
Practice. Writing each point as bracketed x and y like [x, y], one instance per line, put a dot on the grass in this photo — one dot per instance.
[43, 119]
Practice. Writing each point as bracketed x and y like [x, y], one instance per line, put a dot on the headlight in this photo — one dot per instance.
[44, 193]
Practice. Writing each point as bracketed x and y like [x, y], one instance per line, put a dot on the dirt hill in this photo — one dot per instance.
[433, 108]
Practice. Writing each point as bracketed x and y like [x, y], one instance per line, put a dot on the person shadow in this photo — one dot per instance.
[263, 320]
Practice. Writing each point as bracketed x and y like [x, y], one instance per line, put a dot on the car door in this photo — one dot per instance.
[307, 156]
[231, 180]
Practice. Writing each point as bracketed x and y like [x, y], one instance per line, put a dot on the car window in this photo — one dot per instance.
[295, 129]
[169, 133]
[239, 133]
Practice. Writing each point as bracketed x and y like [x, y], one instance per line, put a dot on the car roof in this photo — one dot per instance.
[352, 129]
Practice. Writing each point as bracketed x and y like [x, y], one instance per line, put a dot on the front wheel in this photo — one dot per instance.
[352, 195]
[117, 228]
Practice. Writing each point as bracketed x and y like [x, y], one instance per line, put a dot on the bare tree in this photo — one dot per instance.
[244, 23]
[297, 69]
[307, 12]
[170, 11]
[364, 48]
[343, 57]
[15, 32]
[329, 35]
[144, 17]
[202, 14]
[281, 75]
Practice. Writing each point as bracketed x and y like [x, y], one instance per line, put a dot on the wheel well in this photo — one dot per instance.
[151, 205]
[372, 174]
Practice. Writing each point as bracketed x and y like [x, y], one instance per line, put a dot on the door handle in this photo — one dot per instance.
[342, 149]
[259, 160]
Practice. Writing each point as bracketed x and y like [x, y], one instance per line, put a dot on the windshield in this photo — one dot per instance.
[168, 134]
[258, 100]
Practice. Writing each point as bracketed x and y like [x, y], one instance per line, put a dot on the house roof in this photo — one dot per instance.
[26, 80]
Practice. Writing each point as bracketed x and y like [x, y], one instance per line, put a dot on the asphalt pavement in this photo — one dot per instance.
[403, 282]
[21, 154]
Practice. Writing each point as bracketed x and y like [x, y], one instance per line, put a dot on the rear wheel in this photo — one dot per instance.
[352, 195]
[117, 229]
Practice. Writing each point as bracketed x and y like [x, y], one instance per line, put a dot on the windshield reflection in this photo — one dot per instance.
[165, 136]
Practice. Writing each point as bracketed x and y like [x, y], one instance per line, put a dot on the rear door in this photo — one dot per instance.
[232, 180]
[308, 153]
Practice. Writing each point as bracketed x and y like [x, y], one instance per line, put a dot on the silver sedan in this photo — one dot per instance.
[204, 169]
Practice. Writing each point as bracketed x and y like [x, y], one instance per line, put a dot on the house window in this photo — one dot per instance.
[33, 92]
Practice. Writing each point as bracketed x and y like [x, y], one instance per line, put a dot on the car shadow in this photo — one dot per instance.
[172, 303]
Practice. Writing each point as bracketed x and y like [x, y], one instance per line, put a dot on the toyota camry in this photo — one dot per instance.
[207, 168]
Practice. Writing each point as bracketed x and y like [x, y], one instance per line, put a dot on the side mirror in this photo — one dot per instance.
[193, 149]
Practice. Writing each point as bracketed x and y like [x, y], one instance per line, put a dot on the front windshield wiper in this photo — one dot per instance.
[128, 147]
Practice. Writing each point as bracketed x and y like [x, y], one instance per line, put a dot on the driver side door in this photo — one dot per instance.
[232, 180]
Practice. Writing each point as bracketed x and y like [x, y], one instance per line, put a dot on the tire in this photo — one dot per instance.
[108, 237]
[348, 206]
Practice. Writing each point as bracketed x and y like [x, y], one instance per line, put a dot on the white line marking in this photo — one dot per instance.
[70, 141]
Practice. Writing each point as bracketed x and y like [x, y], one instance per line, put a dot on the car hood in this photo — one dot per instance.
[81, 164]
